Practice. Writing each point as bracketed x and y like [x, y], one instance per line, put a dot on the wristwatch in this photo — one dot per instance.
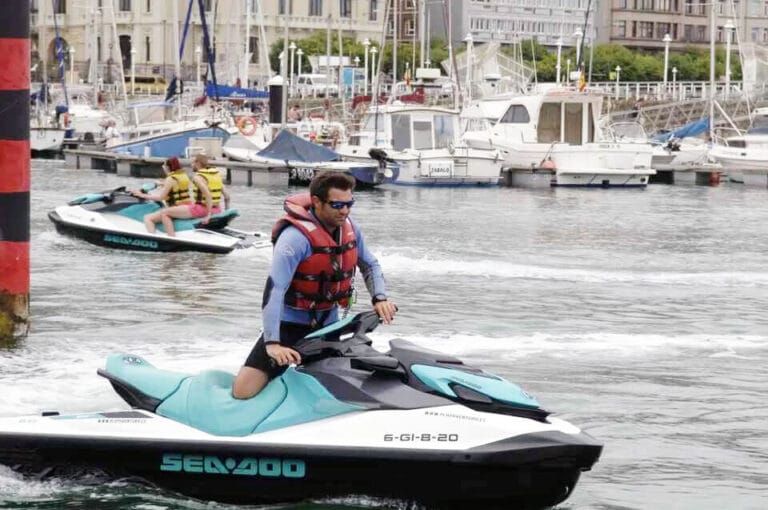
[378, 298]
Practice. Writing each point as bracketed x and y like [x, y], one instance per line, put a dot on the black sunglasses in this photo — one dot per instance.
[340, 204]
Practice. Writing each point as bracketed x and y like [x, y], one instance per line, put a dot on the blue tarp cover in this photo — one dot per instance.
[691, 129]
[227, 92]
[287, 146]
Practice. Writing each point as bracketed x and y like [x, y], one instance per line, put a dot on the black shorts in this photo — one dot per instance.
[290, 333]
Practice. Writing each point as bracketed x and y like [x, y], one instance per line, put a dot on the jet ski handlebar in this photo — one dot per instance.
[345, 338]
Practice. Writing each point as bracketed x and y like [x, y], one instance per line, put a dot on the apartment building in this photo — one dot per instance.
[643, 24]
[119, 33]
[511, 21]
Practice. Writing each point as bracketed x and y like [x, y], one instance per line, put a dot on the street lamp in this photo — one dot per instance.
[366, 44]
[133, 70]
[354, 72]
[198, 58]
[674, 81]
[373, 67]
[618, 77]
[71, 64]
[559, 52]
[729, 26]
[292, 48]
[299, 53]
[578, 34]
[667, 39]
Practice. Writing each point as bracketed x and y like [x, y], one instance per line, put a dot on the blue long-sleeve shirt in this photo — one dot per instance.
[291, 249]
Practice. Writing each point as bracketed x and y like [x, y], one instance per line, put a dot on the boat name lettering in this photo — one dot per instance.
[304, 174]
[248, 466]
[439, 169]
[130, 241]
[422, 437]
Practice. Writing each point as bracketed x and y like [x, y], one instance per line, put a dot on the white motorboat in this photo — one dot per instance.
[744, 157]
[553, 138]
[425, 143]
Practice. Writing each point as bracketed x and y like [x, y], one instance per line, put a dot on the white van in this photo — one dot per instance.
[314, 85]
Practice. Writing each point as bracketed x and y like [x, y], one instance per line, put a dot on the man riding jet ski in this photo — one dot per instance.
[410, 424]
[115, 219]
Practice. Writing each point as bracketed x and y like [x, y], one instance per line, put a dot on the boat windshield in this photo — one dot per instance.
[759, 125]
[444, 130]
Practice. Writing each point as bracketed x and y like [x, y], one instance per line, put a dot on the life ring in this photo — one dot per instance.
[247, 125]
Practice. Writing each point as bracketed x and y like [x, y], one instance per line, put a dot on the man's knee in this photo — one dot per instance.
[249, 383]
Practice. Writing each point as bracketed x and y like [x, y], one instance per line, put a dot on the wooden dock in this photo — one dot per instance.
[237, 172]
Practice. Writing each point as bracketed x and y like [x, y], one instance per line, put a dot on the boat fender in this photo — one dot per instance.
[547, 164]
[247, 125]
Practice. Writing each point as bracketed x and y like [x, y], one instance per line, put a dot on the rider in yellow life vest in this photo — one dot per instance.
[174, 191]
[204, 203]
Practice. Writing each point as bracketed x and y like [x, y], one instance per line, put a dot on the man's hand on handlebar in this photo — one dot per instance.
[283, 355]
[386, 310]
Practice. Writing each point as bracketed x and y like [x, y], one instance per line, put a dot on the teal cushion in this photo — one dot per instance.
[205, 401]
[307, 400]
[143, 376]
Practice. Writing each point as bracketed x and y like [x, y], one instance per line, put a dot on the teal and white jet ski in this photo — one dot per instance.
[115, 219]
[409, 424]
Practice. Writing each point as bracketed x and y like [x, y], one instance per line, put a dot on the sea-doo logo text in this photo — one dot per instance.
[130, 241]
[248, 466]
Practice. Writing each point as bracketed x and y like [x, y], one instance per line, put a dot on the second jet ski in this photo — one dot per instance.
[115, 219]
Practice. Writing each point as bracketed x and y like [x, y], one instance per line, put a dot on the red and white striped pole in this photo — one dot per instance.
[14, 169]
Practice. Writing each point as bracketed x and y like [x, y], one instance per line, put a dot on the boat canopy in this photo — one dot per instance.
[691, 129]
[289, 147]
[229, 92]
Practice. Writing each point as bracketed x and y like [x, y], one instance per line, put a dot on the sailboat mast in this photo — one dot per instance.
[246, 53]
[176, 57]
[394, 42]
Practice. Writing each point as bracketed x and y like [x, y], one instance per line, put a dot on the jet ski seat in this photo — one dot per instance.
[204, 401]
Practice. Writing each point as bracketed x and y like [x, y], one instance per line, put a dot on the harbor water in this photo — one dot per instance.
[638, 315]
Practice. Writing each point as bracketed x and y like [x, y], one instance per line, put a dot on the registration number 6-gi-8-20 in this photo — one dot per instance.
[423, 437]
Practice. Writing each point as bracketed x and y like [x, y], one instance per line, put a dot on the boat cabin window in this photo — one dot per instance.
[444, 131]
[548, 129]
[759, 124]
[573, 115]
[516, 114]
[401, 132]
[422, 134]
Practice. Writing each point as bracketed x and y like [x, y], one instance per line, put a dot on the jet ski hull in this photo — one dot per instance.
[531, 471]
[129, 240]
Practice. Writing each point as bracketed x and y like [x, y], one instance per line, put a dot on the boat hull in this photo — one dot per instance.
[136, 241]
[532, 472]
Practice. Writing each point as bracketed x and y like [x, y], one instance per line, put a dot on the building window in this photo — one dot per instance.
[147, 48]
[620, 4]
[285, 6]
[620, 29]
[644, 30]
[207, 5]
[60, 7]
[410, 28]
[315, 7]
[98, 48]
[149, 5]
[253, 49]
[643, 5]
[125, 5]
[662, 29]
[345, 8]
[33, 6]
[373, 10]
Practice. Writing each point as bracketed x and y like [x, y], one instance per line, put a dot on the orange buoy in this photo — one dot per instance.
[247, 125]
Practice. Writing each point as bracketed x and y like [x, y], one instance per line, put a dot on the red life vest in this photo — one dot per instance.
[325, 278]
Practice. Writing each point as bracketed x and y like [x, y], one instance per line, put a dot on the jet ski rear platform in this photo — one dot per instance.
[410, 424]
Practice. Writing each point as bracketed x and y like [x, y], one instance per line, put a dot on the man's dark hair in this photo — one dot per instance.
[323, 182]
